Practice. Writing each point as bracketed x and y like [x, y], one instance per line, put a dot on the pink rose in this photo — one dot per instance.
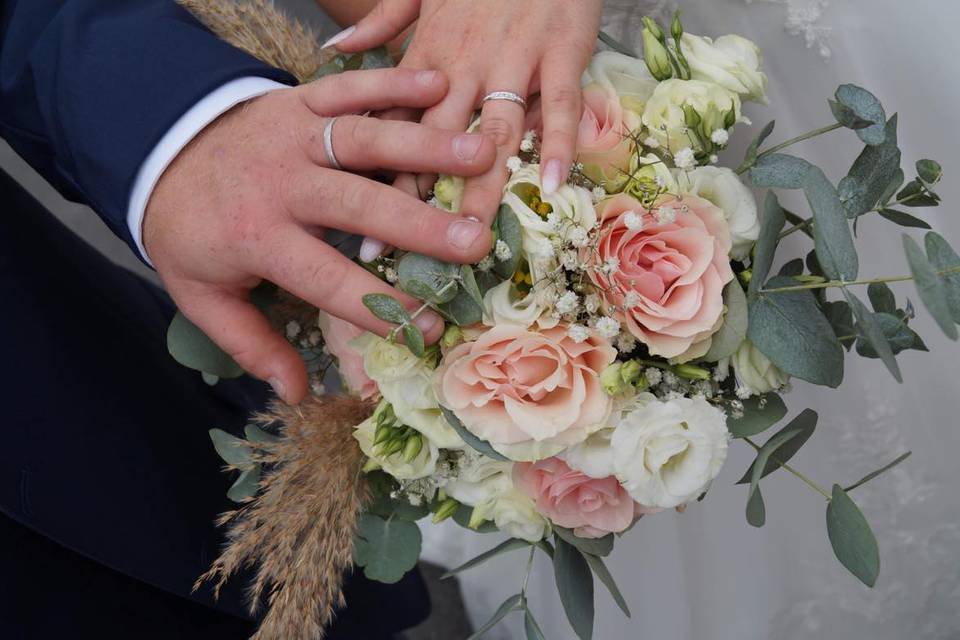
[591, 507]
[671, 272]
[337, 334]
[529, 393]
[603, 141]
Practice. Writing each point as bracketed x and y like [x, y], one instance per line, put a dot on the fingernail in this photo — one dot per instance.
[278, 387]
[466, 146]
[551, 176]
[426, 321]
[426, 78]
[340, 37]
[464, 232]
[370, 249]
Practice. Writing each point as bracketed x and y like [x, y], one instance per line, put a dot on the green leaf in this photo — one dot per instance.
[942, 256]
[413, 338]
[462, 518]
[507, 228]
[899, 336]
[872, 332]
[868, 183]
[254, 433]
[750, 158]
[575, 585]
[792, 268]
[512, 603]
[246, 486]
[469, 284]
[209, 378]
[353, 62]
[930, 287]
[790, 330]
[615, 44]
[847, 117]
[387, 508]
[233, 450]
[840, 317]
[594, 546]
[771, 224]
[386, 549]
[916, 194]
[781, 446]
[378, 58]
[864, 106]
[759, 414]
[852, 540]
[881, 297]
[462, 310]
[873, 474]
[600, 570]
[756, 511]
[831, 233]
[903, 219]
[734, 328]
[386, 307]
[508, 545]
[779, 170]
[475, 443]
[192, 348]
[427, 278]
[530, 625]
[929, 171]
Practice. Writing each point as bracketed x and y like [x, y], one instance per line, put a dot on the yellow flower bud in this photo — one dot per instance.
[630, 372]
[611, 379]
[452, 336]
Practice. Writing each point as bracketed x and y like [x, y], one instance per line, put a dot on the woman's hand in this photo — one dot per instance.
[522, 46]
[251, 195]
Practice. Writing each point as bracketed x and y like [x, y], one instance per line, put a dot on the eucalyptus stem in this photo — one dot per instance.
[797, 227]
[526, 577]
[810, 483]
[801, 138]
[809, 221]
[655, 364]
[841, 283]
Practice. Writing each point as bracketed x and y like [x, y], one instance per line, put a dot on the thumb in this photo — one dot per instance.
[384, 23]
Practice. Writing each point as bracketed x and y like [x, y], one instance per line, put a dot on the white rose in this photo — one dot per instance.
[479, 480]
[666, 453]
[664, 117]
[424, 465]
[516, 515]
[754, 372]
[722, 187]
[402, 377]
[731, 61]
[627, 77]
[502, 305]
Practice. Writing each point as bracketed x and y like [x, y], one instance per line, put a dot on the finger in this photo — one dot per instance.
[502, 121]
[361, 144]
[238, 327]
[373, 90]
[384, 22]
[356, 205]
[316, 272]
[453, 112]
[561, 110]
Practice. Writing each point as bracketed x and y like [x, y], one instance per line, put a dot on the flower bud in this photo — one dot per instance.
[370, 465]
[611, 380]
[691, 372]
[479, 515]
[676, 27]
[383, 433]
[412, 448]
[631, 372]
[745, 276]
[691, 117]
[451, 337]
[446, 509]
[656, 56]
[654, 28]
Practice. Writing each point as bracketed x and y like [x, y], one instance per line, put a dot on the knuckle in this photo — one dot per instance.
[356, 199]
[562, 99]
[499, 129]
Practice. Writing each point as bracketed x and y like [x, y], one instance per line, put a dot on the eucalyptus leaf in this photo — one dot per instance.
[929, 171]
[386, 549]
[779, 170]
[378, 58]
[600, 570]
[508, 229]
[781, 446]
[192, 348]
[246, 486]
[873, 332]
[475, 443]
[254, 433]
[881, 297]
[575, 585]
[873, 474]
[386, 307]
[916, 194]
[353, 62]
[792, 268]
[864, 106]
[388, 508]
[756, 510]
[750, 158]
[899, 336]
[932, 291]
[903, 219]
[530, 626]
[895, 183]
[759, 414]
[469, 284]
[852, 540]
[847, 117]
[942, 256]
[463, 309]
[831, 233]
[427, 278]
[233, 450]
[594, 546]
[508, 545]
[868, 182]
[413, 338]
[209, 379]
[615, 44]
[513, 603]
[840, 317]
[771, 224]
[734, 328]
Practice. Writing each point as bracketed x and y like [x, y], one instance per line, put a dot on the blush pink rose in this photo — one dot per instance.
[337, 335]
[674, 272]
[603, 136]
[529, 393]
[591, 507]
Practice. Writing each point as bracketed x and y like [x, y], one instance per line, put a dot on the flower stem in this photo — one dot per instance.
[809, 221]
[801, 138]
[526, 577]
[841, 283]
[810, 483]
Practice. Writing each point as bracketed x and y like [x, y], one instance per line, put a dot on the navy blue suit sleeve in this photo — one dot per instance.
[88, 88]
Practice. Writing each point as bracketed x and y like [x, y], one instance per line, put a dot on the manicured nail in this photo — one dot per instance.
[426, 321]
[551, 176]
[278, 387]
[340, 37]
[426, 78]
[466, 146]
[370, 249]
[463, 233]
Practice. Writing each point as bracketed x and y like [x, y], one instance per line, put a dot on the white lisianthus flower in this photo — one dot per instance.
[479, 480]
[430, 423]
[754, 372]
[516, 515]
[594, 456]
[403, 378]
[666, 453]
[665, 119]
[722, 187]
[502, 305]
[732, 62]
[625, 76]
[422, 466]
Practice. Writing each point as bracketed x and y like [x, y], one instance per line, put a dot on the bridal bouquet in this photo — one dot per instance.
[624, 331]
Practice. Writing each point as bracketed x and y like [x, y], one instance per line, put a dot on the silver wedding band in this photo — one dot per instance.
[328, 144]
[509, 96]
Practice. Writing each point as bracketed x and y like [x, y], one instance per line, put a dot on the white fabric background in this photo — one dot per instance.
[707, 574]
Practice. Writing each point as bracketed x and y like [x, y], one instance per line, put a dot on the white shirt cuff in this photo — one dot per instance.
[179, 135]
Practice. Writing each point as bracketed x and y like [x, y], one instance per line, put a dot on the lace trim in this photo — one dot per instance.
[803, 19]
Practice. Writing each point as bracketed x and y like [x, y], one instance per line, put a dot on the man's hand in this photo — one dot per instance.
[250, 198]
